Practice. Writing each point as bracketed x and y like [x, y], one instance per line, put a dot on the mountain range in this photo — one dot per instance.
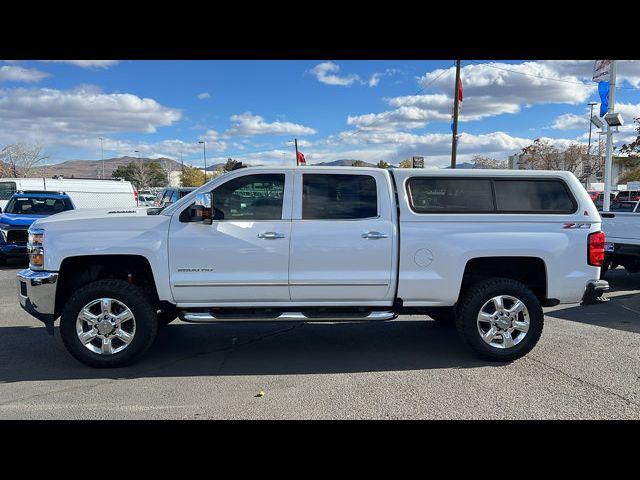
[94, 168]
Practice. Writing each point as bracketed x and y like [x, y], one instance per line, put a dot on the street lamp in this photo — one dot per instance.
[591, 104]
[102, 156]
[204, 154]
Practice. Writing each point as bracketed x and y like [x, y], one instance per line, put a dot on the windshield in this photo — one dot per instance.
[26, 205]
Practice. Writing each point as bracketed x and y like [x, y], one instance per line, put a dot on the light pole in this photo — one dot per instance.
[204, 154]
[139, 168]
[607, 162]
[586, 180]
[102, 156]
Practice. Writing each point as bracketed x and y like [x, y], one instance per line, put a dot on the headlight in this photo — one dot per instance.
[35, 248]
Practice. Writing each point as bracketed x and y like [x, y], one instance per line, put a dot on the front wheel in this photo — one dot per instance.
[500, 319]
[108, 323]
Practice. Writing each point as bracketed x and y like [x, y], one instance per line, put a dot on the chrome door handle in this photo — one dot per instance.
[270, 235]
[374, 235]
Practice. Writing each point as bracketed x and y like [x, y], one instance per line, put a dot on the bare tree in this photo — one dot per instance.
[22, 159]
[407, 163]
[486, 162]
[541, 155]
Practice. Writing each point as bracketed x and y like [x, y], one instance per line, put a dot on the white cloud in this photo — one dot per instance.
[570, 121]
[249, 124]
[86, 63]
[375, 79]
[52, 115]
[326, 73]
[10, 73]
[204, 95]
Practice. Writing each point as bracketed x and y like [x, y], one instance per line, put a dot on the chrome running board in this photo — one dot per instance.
[207, 317]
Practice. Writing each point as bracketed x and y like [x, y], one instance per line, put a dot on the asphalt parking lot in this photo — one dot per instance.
[586, 366]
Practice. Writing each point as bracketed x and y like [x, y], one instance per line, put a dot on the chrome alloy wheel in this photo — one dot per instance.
[106, 326]
[503, 321]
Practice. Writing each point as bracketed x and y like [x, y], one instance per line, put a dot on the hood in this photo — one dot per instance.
[92, 214]
[19, 220]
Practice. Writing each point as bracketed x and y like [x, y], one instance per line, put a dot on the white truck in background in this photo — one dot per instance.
[622, 246]
[85, 193]
[483, 249]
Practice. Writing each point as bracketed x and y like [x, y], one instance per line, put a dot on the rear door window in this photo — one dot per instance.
[338, 197]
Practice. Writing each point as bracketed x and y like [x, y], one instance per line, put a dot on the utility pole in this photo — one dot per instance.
[607, 162]
[295, 141]
[456, 105]
[204, 154]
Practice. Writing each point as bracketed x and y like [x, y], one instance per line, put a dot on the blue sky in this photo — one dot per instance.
[249, 110]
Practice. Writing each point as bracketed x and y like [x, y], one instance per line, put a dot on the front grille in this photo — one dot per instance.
[18, 236]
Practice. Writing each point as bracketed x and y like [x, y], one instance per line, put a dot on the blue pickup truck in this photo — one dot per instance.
[21, 211]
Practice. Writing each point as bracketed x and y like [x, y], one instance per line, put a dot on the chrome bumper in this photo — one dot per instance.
[37, 294]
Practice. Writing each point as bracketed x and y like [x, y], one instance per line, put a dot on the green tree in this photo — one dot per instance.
[382, 164]
[230, 164]
[358, 163]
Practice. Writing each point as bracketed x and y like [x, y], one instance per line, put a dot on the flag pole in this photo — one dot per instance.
[295, 141]
[607, 165]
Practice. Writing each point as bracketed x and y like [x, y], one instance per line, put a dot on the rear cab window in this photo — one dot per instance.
[490, 195]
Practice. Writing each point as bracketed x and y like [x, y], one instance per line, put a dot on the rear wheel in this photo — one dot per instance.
[108, 323]
[500, 319]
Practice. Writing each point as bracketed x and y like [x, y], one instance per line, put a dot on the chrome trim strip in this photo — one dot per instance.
[312, 284]
[230, 285]
[206, 317]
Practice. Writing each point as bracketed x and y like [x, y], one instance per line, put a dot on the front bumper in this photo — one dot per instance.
[594, 293]
[37, 294]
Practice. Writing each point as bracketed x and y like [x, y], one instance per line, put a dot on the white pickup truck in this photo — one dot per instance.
[622, 228]
[485, 250]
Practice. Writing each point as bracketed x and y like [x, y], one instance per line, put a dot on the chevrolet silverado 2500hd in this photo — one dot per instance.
[484, 249]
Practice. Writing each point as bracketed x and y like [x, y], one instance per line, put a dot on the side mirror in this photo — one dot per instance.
[202, 212]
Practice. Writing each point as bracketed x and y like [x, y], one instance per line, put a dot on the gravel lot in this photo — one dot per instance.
[586, 366]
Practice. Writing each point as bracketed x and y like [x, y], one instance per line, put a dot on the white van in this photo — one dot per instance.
[84, 193]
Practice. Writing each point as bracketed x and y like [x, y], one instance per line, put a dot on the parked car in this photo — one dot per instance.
[146, 200]
[627, 195]
[20, 212]
[86, 193]
[624, 206]
[484, 249]
[171, 195]
[598, 198]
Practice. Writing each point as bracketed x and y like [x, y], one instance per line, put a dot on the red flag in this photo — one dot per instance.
[460, 89]
[300, 160]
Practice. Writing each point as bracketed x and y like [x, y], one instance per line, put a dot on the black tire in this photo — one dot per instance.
[444, 317]
[134, 298]
[470, 306]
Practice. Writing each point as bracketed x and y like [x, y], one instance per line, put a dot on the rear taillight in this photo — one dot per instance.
[135, 196]
[595, 250]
